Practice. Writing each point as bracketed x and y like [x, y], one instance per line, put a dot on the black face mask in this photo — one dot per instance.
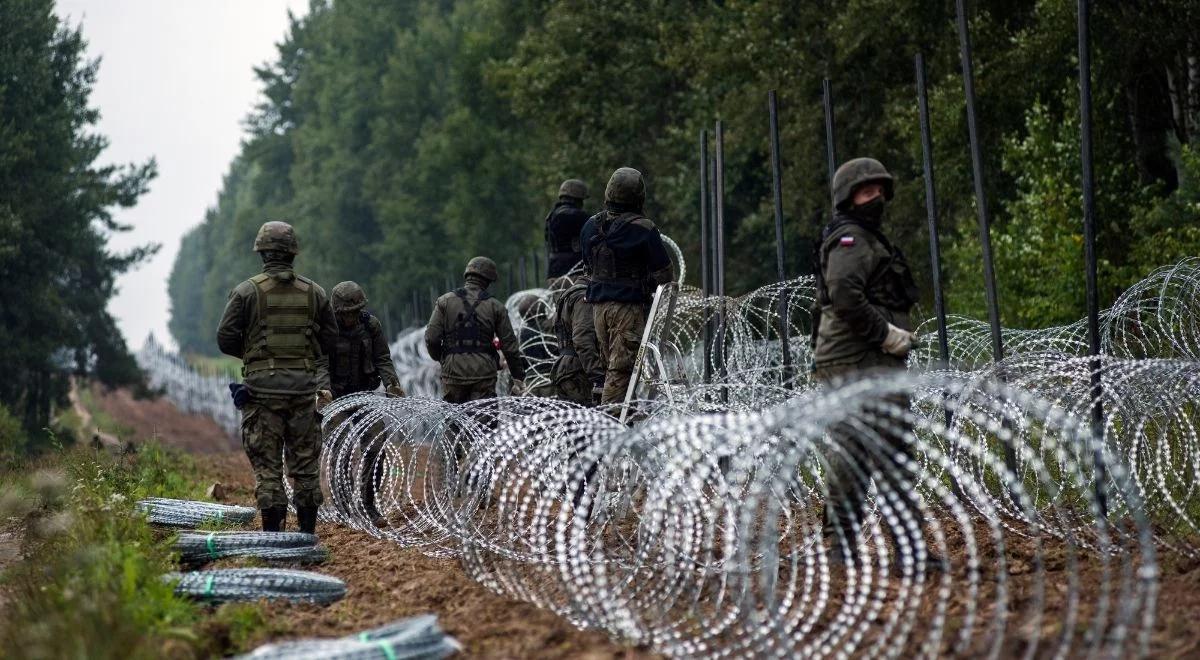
[872, 211]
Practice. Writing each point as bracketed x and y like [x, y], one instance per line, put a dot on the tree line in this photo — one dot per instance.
[55, 221]
[403, 137]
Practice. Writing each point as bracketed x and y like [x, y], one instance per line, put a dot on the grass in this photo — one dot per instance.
[100, 418]
[90, 580]
[223, 365]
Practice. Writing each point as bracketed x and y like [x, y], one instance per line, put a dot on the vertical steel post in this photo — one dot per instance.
[989, 272]
[1089, 248]
[524, 274]
[705, 251]
[537, 268]
[935, 250]
[511, 288]
[780, 257]
[830, 148]
[720, 257]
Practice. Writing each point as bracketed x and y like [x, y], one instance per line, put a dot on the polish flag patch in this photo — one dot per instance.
[846, 241]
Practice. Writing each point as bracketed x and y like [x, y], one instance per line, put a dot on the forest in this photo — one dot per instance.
[403, 137]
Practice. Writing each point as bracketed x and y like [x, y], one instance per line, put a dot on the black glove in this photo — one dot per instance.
[240, 394]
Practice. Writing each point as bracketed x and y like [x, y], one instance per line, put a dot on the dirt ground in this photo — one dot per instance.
[387, 582]
[159, 418]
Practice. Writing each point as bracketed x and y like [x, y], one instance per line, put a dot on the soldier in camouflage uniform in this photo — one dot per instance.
[563, 224]
[361, 361]
[460, 334]
[281, 326]
[627, 259]
[578, 372]
[865, 291]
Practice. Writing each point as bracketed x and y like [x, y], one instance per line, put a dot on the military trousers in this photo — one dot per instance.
[278, 431]
[866, 446]
[619, 327]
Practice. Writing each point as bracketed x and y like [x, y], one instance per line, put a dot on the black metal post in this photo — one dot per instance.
[537, 268]
[720, 258]
[989, 272]
[508, 267]
[935, 250]
[1089, 248]
[705, 251]
[524, 274]
[780, 258]
[830, 148]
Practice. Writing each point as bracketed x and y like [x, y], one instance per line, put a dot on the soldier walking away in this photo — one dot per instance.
[281, 326]
[460, 334]
[578, 373]
[361, 361]
[563, 225]
[865, 291]
[625, 255]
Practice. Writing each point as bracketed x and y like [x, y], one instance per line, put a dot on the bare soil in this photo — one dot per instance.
[159, 418]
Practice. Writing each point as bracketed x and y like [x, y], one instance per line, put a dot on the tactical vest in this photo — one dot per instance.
[352, 365]
[890, 285]
[610, 264]
[285, 335]
[560, 244]
[562, 322]
[468, 334]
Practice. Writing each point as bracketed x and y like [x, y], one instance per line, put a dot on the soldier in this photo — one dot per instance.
[361, 361]
[578, 372]
[563, 225]
[281, 326]
[865, 291]
[460, 333]
[625, 255]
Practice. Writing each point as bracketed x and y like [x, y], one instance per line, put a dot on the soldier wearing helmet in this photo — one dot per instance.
[281, 326]
[864, 292]
[563, 225]
[626, 257]
[461, 332]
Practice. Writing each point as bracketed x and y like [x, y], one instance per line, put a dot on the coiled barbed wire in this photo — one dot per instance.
[415, 638]
[189, 513]
[242, 584]
[202, 547]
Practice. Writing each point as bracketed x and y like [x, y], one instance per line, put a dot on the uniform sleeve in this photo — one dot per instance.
[327, 334]
[846, 272]
[433, 332]
[508, 341]
[382, 354]
[583, 336]
[658, 262]
[585, 239]
[231, 333]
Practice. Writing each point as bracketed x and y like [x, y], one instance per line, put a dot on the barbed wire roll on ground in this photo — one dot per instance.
[242, 584]
[416, 638]
[202, 547]
[189, 513]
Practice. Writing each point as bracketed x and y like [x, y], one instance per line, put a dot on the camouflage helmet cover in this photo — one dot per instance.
[854, 173]
[348, 297]
[573, 188]
[626, 187]
[483, 267]
[277, 236]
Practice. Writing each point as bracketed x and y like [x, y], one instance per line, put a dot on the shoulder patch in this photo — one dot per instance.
[846, 241]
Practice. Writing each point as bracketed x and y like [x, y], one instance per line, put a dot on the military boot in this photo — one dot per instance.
[306, 516]
[274, 519]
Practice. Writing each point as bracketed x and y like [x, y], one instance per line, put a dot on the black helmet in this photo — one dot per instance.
[626, 187]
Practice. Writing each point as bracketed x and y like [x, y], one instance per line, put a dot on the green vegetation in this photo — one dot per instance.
[55, 220]
[402, 138]
[90, 582]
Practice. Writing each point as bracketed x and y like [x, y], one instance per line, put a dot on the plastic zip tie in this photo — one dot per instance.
[212, 550]
[387, 649]
[208, 587]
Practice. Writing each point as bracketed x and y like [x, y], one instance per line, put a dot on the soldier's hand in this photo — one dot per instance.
[518, 387]
[324, 398]
[898, 341]
[394, 390]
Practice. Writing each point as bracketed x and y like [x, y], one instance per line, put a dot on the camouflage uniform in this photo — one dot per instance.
[361, 361]
[865, 291]
[626, 257]
[460, 334]
[281, 326]
[578, 369]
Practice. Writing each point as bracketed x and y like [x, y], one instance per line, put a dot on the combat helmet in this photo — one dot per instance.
[854, 173]
[483, 267]
[278, 237]
[573, 188]
[347, 297]
[626, 187]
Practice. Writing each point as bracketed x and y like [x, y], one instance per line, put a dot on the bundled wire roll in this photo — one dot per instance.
[416, 638]
[189, 513]
[242, 584]
[202, 547]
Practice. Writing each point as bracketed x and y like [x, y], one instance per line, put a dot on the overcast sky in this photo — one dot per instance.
[176, 79]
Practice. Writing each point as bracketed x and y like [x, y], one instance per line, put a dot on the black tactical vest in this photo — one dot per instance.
[468, 334]
[352, 365]
[611, 263]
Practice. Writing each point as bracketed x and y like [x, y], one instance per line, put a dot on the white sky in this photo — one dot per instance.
[175, 81]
